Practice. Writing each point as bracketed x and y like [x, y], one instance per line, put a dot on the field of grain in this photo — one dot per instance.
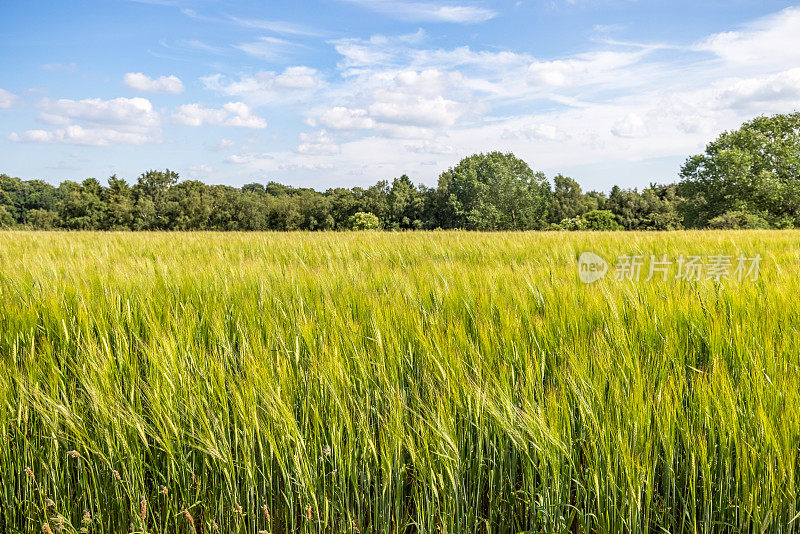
[395, 382]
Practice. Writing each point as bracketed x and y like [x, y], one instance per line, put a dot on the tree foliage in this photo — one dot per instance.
[748, 178]
[493, 191]
[755, 169]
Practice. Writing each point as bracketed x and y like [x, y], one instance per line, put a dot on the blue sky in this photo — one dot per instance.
[347, 92]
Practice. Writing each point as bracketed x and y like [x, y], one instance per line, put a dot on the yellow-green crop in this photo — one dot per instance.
[394, 382]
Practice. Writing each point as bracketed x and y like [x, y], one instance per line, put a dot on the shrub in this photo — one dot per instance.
[365, 221]
[6, 219]
[601, 220]
[42, 219]
[573, 224]
[733, 220]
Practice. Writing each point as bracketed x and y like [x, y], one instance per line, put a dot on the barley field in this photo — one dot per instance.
[440, 382]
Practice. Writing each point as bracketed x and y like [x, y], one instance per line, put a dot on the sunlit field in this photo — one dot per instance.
[396, 382]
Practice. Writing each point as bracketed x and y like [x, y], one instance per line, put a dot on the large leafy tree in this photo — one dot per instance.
[568, 200]
[755, 169]
[153, 208]
[119, 200]
[655, 208]
[493, 191]
[406, 204]
[82, 206]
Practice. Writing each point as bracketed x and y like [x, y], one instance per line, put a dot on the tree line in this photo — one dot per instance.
[748, 178]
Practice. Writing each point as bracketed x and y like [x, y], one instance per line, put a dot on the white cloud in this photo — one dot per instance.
[76, 135]
[431, 147]
[390, 99]
[357, 53]
[6, 99]
[163, 84]
[408, 110]
[200, 170]
[222, 145]
[269, 48]
[68, 67]
[586, 68]
[306, 166]
[618, 102]
[342, 118]
[239, 159]
[537, 132]
[268, 87]
[125, 113]
[317, 143]
[276, 26]
[197, 115]
[96, 122]
[297, 78]
[631, 125]
[769, 42]
[237, 114]
[756, 94]
[429, 11]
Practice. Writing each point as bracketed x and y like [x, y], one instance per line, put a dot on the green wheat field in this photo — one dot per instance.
[442, 382]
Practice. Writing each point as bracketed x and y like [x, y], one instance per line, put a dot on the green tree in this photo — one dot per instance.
[82, 206]
[344, 204]
[6, 219]
[195, 204]
[153, 208]
[493, 191]
[41, 219]
[12, 199]
[568, 201]
[655, 208]
[755, 169]
[119, 204]
[406, 204]
[375, 200]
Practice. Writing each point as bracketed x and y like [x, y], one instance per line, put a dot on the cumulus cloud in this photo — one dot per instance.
[77, 135]
[537, 132]
[317, 143]
[96, 122]
[754, 94]
[414, 111]
[6, 99]
[163, 84]
[128, 113]
[342, 118]
[297, 78]
[268, 87]
[431, 147]
[631, 125]
[768, 42]
[584, 68]
[236, 114]
[611, 102]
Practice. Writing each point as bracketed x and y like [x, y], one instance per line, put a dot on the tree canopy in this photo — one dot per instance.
[493, 191]
[753, 170]
[747, 178]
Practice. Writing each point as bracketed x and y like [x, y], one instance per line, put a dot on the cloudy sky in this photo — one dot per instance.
[347, 92]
